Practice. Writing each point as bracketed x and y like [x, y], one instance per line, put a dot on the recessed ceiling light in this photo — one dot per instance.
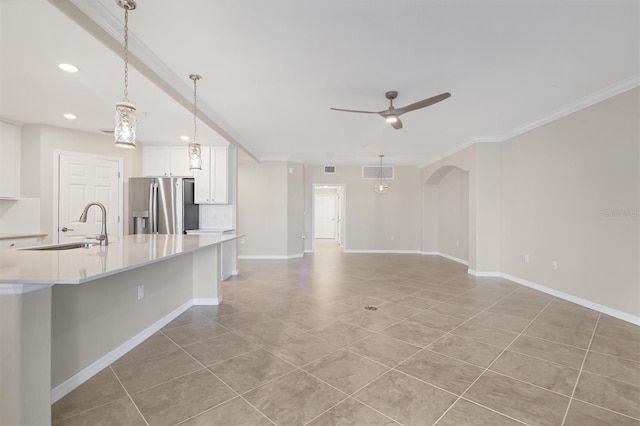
[68, 67]
[184, 138]
[70, 116]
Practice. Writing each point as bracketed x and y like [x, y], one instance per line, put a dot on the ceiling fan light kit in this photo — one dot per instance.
[392, 114]
[125, 118]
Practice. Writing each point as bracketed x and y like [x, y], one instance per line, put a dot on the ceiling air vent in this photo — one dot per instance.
[371, 172]
[107, 131]
[329, 170]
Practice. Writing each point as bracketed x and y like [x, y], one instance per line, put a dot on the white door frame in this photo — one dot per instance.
[56, 186]
[343, 213]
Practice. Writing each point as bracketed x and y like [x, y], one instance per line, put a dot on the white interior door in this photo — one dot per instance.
[340, 216]
[325, 216]
[81, 180]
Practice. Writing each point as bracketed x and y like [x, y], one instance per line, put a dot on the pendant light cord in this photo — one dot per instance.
[195, 108]
[126, 54]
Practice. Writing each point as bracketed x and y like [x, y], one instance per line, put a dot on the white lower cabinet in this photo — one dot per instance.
[211, 183]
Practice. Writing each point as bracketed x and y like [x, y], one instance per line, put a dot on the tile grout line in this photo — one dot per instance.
[130, 397]
[223, 382]
[490, 409]
[453, 329]
[584, 359]
[378, 332]
[394, 367]
[607, 409]
[496, 358]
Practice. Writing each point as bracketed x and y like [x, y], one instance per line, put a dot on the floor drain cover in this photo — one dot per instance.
[371, 308]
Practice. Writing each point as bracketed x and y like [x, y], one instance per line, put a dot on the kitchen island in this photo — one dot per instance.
[67, 314]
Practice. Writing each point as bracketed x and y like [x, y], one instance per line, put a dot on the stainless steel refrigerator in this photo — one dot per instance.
[163, 205]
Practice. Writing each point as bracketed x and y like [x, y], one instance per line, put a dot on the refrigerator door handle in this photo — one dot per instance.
[153, 203]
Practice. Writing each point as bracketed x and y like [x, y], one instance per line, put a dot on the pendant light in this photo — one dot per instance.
[381, 185]
[195, 149]
[125, 127]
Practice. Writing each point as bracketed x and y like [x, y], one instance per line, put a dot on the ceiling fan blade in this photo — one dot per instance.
[397, 124]
[354, 110]
[423, 103]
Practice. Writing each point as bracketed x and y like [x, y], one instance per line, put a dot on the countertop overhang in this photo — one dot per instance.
[77, 266]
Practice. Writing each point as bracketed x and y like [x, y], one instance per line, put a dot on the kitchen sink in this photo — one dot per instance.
[65, 246]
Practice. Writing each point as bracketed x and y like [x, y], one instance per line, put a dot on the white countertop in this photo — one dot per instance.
[76, 266]
[5, 236]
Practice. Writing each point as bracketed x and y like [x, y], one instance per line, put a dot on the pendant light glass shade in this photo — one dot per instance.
[125, 129]
[195, 156]
[195, 149]
[381, 186]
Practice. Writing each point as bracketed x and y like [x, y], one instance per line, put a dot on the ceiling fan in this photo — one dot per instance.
[392, 115]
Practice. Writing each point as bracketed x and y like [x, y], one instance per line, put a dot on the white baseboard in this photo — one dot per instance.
[207, 301]
[85, 374]
[384, 251]
[574, 299]
[235, 272]
[308, 251]
[446, 256]
[455, 259]
[484, 273]
[270, 256]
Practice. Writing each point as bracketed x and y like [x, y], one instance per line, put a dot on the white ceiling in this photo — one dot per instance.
[271, 70]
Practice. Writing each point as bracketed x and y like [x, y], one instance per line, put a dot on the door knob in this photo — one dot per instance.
[65, 229]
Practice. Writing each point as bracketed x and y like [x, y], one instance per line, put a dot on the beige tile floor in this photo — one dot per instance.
[292, 344]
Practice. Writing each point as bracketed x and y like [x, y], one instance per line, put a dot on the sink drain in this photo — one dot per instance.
[371, 308]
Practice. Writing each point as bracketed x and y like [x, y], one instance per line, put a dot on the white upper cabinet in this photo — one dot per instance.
[165, 161]
[212, 181]
[9, 161]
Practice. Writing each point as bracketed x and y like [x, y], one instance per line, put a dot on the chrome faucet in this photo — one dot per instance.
[103, 238]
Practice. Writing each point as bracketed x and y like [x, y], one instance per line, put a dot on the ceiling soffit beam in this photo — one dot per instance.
[97, 21]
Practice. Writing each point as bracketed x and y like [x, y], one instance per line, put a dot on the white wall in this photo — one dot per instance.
[262, 208]
[371, 219]
[453, 215]
[271, 209]
[558, 183]
[567, 191]
[295, 209]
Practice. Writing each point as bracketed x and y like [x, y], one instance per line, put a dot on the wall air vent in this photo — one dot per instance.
[329, 170]
[371, 172]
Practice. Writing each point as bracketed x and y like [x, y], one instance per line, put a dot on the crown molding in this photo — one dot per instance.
[594, 98]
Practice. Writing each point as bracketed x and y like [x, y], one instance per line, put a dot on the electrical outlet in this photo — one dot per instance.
[526, 258]
[457, 243]
[242, 241]
[140, 292]
[393, 237]
[554, 264]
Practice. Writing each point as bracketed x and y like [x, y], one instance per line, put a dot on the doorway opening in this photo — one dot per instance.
[328, 216]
